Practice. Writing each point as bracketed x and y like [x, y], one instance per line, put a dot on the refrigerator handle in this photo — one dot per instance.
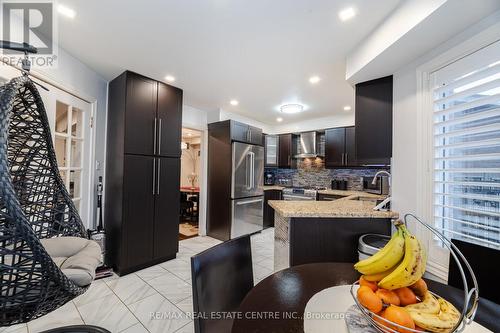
[248, 171]
[252, 170]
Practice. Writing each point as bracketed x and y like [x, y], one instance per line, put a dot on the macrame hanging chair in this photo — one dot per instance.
[35, 210]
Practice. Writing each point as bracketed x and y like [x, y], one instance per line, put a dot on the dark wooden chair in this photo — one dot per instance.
[484, 262]
[222, 276]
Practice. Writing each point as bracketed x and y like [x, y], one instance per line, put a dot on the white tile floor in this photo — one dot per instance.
[124, 304]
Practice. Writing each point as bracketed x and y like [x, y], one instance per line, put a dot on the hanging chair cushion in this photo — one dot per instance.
[77, 257]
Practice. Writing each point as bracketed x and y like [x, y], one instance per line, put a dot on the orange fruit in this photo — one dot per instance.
[399, 316]
[369, 300]
[406, 296]
[380, 321]
[363, 289]
[370, 284]
[419, 288]
[388, 296]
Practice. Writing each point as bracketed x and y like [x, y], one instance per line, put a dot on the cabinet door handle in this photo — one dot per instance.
[158, 178]
[154, 133]
[159, 138]
[346, 159]
[154, 176]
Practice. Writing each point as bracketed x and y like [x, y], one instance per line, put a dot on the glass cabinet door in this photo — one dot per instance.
[271, 150]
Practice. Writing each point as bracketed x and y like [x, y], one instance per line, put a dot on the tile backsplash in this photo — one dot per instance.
[312, 172]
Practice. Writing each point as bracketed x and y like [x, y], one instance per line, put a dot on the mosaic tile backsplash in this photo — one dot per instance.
[312, 172]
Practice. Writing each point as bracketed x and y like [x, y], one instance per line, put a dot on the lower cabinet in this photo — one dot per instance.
[331, 239]
[268, 210]
[143, 227]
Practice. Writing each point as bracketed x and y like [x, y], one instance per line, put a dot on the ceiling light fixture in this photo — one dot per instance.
[68, 12]
[314, 79]
[234, 102]
[292, 108]
[347, 14]
[279, 119]
[170, 78]
[347, 108]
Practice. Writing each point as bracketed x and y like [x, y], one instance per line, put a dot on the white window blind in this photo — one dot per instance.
[466, 148]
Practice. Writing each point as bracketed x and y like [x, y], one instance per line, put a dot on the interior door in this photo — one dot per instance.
[334, 147]
[72, 134]
[167, 207]
[141, 124]
[169, 120]
[139, 182]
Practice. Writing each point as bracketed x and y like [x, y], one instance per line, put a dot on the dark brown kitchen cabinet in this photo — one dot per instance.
[246, 133]
[169, 120]
[142, 172]
[168, 178]
[140, 115]
[268, 210]
[340, 149]
[138, 212]
[374, 122]
[285, 152]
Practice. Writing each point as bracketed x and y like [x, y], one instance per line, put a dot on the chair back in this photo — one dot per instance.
[484, 262]
[221, 277]
[34, 204]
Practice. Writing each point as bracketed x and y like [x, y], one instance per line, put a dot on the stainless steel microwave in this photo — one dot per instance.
[380, 187]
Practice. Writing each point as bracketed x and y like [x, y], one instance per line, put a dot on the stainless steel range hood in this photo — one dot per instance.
[308, 145]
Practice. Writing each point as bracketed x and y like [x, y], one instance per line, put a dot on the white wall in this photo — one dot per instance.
[341, 120]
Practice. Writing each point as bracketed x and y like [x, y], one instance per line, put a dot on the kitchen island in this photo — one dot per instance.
[322, 231]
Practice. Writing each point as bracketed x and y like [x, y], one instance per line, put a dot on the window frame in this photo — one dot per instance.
[438, 258]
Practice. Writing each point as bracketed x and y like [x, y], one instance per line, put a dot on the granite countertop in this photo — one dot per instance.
[273, 187]
[344, 207]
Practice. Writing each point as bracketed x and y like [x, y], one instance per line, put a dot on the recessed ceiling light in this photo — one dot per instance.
[234, 102]
[170, 78]
[279, 119]
[292, 108]
[314, 79]
[68, 12]
[347, 14]
[347, 108]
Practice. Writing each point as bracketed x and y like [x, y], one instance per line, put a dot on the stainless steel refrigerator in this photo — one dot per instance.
[247, 189]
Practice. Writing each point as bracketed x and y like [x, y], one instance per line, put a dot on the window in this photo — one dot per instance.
[466, 148]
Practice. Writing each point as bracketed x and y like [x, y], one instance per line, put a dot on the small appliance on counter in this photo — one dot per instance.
[381, 186]
[286, 182]
[369, 244]
[339, 184]
[269, 178]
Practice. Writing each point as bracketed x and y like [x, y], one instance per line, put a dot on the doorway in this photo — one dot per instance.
[190, 183]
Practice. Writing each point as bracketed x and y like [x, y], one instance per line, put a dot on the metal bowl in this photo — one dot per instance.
[472, 295]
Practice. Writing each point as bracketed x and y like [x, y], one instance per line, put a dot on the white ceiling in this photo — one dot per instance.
[259, 52]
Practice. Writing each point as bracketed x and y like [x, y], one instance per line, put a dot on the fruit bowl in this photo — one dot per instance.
[403, 262]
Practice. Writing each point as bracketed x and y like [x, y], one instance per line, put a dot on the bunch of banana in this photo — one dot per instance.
[399, 264]
[434, 315]
[385, 259]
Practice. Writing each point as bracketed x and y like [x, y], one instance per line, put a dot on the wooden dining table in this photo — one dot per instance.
[277, 303]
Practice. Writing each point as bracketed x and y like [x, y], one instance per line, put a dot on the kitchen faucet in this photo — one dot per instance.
[388, 199]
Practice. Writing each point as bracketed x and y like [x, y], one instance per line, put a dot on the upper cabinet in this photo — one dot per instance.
[374, 122]
[286, 152]
[153, 117]
[340, 150]
[271, 146]
[246, 133]
[169, 121]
